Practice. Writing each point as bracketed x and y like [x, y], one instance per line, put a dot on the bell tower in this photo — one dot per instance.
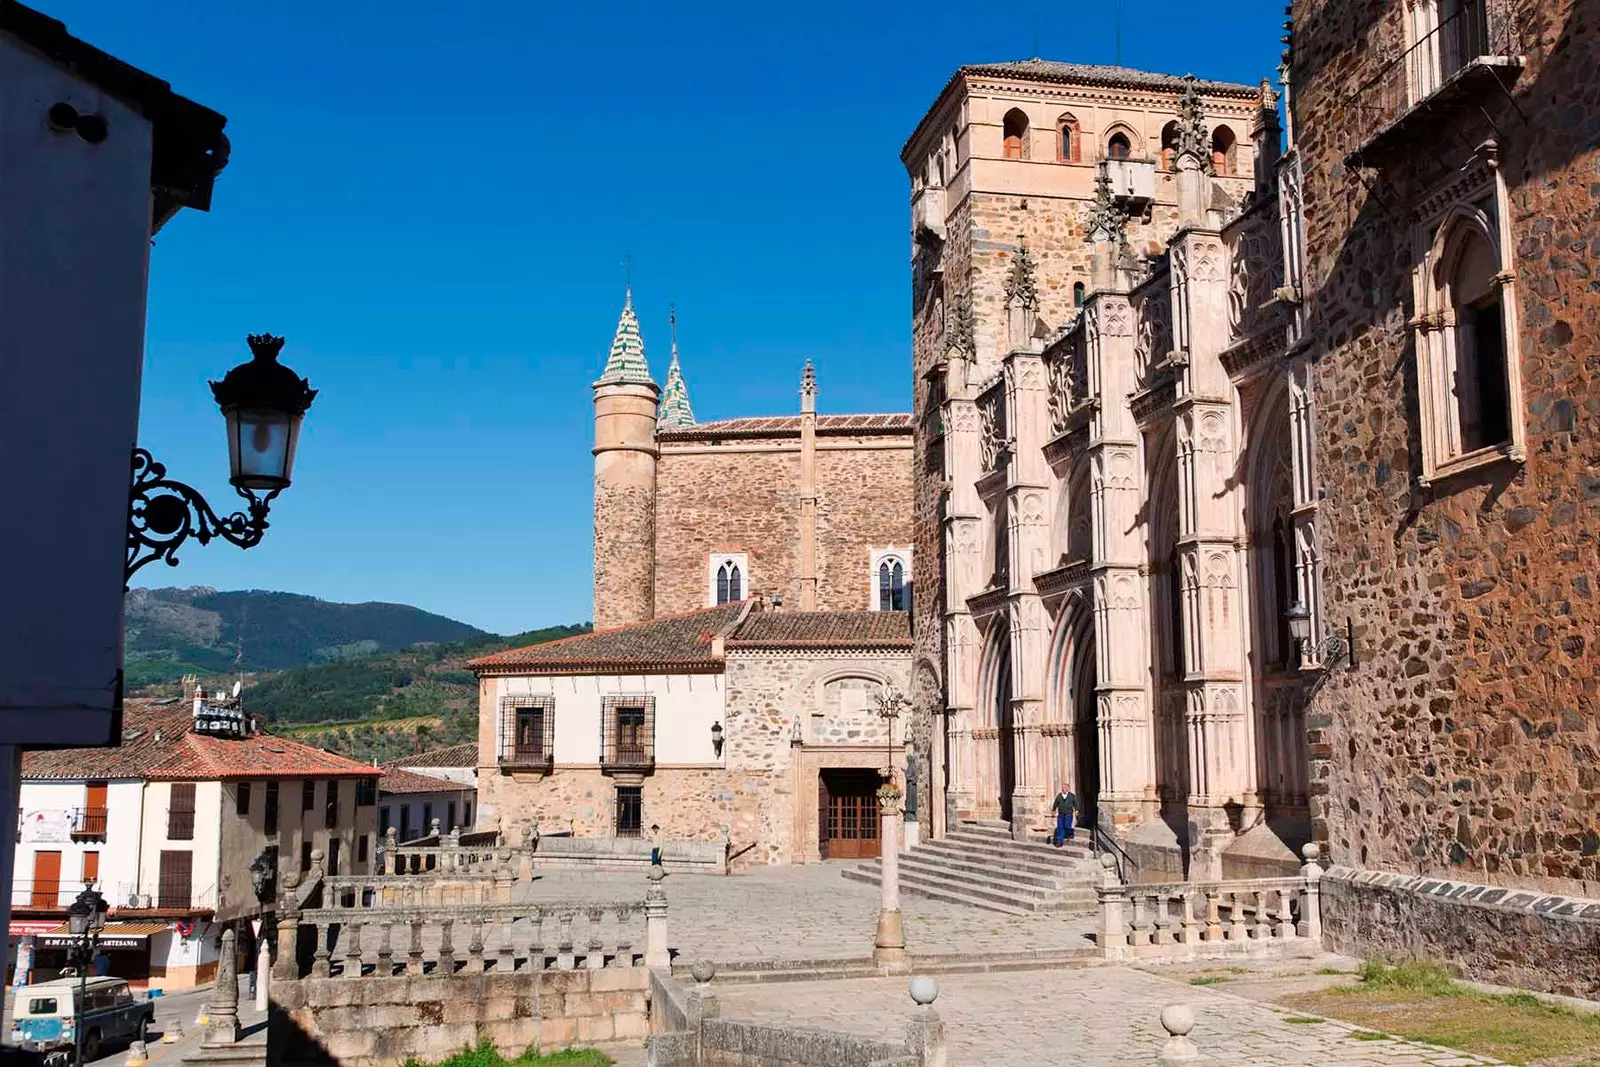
[625, 398]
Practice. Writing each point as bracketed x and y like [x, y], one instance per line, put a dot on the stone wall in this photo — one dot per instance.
[743, 495]
[378, 1022]
[1528, 940]
[1464, 744]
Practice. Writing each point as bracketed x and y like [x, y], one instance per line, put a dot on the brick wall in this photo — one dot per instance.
[1465, 742]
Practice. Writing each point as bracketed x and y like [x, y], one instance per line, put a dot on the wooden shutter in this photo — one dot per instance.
[176, 885]
[180, 812]
[96, 800]
[46, 879]
[91, 867]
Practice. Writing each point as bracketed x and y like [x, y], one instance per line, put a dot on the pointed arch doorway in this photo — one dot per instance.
[1005, 733]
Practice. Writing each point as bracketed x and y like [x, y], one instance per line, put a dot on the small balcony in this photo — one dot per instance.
[1133, 182]
[89, 824]
[638, 759]
[927, 216]
[526, 758]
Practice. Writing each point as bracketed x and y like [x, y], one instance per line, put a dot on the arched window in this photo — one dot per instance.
[1169, 144]
[1224, 151]
[1119, 147]
[1482, 398]
[1077, 294]
[891, 585]
[891, 580]
[1068, 149]
[1016, 134]
[728, 583]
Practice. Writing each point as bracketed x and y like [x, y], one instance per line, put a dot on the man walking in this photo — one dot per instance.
[1066, 811]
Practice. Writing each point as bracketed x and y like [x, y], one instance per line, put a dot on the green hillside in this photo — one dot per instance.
[172, 632]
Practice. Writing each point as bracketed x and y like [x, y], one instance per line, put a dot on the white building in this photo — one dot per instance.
[410, 802]
[166, 826]
[95, 156]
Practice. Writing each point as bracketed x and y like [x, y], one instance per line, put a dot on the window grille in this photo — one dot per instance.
[627, 732]
[630, 811]
[527, 731]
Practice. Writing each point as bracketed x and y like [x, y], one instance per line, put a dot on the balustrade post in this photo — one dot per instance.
[319, 966]
[624, 956]
[656, 953]
[565, 959]
[287, 966]
[595, 952]
[447, 949]
[1285, 927]
[352, 950]
[414, 950]
[505, 876]
[1213, 921]
[1164, 920]
[1188, 931]
[1311, 901]
[385, 949]
[1140, 936]
[475, 947]
[1263, 928]
[1237, 930]
[1113, 925]
[508, 951]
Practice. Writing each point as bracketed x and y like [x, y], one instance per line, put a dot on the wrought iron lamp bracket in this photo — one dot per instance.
[164, 513]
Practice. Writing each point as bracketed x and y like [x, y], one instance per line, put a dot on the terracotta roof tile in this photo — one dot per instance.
[781, 425]
[671, 642]
[158, 744]
[1090, 74]
[824, 629]
[398, 780]
[462, 755]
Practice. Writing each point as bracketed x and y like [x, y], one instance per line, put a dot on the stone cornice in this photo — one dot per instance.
[1250, 355]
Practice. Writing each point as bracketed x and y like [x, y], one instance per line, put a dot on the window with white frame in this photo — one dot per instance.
[728, 578]
[1468, 389]
[890, 579]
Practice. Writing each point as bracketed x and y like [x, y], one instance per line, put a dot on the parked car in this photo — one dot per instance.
[44, 1016]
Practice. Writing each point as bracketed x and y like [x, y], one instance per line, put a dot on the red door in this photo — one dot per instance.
[850, 828]
[46, 879]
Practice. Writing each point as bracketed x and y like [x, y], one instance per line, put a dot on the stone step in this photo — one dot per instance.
[1046, 855]
[969, 881]
[1000, 832]
[956, 862]
[934, 890]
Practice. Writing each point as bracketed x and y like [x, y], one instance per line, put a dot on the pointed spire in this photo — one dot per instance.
[1105, 218]
[1020, 286]
[1192, 137]
[808, 388]
[675, 410]
[626, 363]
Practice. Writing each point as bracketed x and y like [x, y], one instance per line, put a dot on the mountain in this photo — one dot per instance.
[172, 632]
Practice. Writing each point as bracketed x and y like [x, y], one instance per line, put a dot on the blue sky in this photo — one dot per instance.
[433, 202]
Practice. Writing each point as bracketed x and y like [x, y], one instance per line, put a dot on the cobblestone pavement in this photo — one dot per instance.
[1093, 1017]
[808, 913]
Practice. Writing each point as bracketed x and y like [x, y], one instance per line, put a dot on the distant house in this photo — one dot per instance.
[458, 763]
[167, 825]
[410, 801]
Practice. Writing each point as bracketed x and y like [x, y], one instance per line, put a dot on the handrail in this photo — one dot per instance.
[1118, 854]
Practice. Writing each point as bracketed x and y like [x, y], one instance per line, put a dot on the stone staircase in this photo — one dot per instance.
[979, 865]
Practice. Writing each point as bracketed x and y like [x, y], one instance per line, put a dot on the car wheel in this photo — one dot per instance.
[91, 1046]
[144, 1030]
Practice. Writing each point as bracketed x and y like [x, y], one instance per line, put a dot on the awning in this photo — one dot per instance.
[119, 935]
[29, 927]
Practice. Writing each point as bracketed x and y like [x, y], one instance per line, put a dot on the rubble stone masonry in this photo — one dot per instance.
[1464, 743]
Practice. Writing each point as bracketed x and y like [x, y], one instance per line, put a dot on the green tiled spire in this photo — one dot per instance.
[675, 412]
[626, 362]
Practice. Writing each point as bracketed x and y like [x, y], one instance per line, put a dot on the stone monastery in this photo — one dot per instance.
[1249, 482]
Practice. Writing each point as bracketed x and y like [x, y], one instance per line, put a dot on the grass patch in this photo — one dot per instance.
[1301, 1019]
[1330, 970]
[1421, 1002]
[1368, 1035]
[486, 1055]
[1209, 979]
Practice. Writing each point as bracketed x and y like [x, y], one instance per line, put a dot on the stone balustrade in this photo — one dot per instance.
[1191, 919]
[452, 853]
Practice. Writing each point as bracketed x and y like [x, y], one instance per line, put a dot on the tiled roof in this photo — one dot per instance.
[158, 744]
[824, 629]
[668, 643]
[626, 363]
[399, 780]
[782, 425]
[1089, 74]
[462, 755]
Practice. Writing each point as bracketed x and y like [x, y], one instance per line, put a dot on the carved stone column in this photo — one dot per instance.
[889, 943]
[963, 560]
[223, 1011]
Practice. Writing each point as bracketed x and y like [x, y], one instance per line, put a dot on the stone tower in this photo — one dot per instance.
[624, 480]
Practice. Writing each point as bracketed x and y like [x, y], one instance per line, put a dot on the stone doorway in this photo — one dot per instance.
[1005, 736]
[1086, 734]
[847, 813]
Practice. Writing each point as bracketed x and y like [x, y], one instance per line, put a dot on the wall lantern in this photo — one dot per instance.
[263, 403]
[716, 738]
[1336, 649]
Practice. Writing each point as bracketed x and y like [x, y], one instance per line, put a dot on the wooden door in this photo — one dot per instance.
[46, 879]
[852, 818]
[91, 867]
[822, 816]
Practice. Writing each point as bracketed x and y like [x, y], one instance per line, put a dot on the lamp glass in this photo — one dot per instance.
[78, 918]
[261, 446]
[1299, 620]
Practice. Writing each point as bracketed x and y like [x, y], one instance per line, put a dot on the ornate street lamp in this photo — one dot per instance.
[263, 403]
[716, 738]
[86, 917]
[1336, 649]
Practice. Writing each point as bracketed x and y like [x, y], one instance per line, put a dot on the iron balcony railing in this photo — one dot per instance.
[1469, 35]
[89, 822]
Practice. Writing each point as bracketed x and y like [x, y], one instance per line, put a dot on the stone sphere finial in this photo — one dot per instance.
[656, 873]
[703, 971]
[1107, 860]
[924, 990]
[1311, 851]
[1177, 1019]
[291, 880]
